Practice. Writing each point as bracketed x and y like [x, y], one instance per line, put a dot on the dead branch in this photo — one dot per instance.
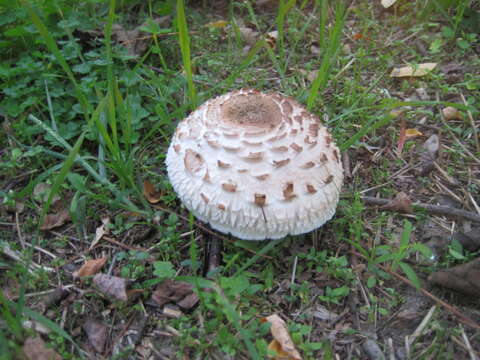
[433, 209]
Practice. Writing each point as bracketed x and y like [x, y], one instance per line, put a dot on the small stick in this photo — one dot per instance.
[418, 331]
[213, 255]
[434, 209]
[453, 310]
[473, 356]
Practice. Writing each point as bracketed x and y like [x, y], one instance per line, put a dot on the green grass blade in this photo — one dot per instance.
[411, 275]
[257, 256]
[60, 179]
[184, 40]
[52, 46]
[329, 56]
[112, 118]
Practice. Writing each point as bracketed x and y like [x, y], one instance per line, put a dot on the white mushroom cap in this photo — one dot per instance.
[256, 165]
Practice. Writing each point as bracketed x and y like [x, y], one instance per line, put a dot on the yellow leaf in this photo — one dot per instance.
[217, 24]
[413, 70]
[409, 133]
[451, 113]
[282, 343]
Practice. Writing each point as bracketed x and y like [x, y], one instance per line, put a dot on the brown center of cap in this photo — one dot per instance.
[251, 110]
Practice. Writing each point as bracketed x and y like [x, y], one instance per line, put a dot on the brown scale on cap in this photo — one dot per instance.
[280, 163]
[288, 193]
[313, 130]
[230, 187]
[308, 165]
[255, 133]
[280, 149]
[262, 177]
[213, 143]
[335, 155]
[231, 135]
[221, 207]
[328, 180]
[251, 110]
[177, 148]
[252, 143]
[260, 199]
[205, 198]
[298, 118]
[277, 137]
[242, 170]
[193, 161]
[323, 158]
[254, 156]
[207, 178]
[311, 189]
[287, 107]
[296, 147]
[328, 139]
[293, 132]
[309, 142]
[223, 165]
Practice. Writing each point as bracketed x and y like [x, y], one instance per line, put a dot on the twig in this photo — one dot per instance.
[473, 356]
[418, 331]
[212, 253]
[472, 122]
[434, 209]
[453, 310]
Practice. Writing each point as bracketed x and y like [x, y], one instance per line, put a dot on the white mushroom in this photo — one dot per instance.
[256, 165]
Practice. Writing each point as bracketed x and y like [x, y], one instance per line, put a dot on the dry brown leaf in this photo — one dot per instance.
[400, 203]
[248, 35]
[387, 3]
[34, 348]
[282, 343]
[410, 133]
[100, 231]
[151, 194]
[451, 113]
[464, 278]
[413, 70]
[90, 268]
[52, 221]
[217, 24]
[178, 292]
[97, 334]
[112, 286]
[428, 154]
[41, 191]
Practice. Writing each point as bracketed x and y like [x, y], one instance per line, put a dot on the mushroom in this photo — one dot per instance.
[255, 165]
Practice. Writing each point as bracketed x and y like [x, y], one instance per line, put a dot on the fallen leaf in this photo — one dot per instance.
[97, 334]
[55, 220]
[178, 292]
[413, 70]
[34, 348]
[451, 113]
[41, 191]
[100, 231]
[410, 133]
[400, 203]
[151, 194]
[282, 343]
[248, 35]
[90, 268]
[112, 286]
[272, 37]
[464, 278]
[217, 24]
[387, 3]
[136, 41]
[428, 154]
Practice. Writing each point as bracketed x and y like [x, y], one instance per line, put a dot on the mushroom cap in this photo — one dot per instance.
[256, 165]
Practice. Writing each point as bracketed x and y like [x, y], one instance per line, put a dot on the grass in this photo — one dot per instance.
[93, 121]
